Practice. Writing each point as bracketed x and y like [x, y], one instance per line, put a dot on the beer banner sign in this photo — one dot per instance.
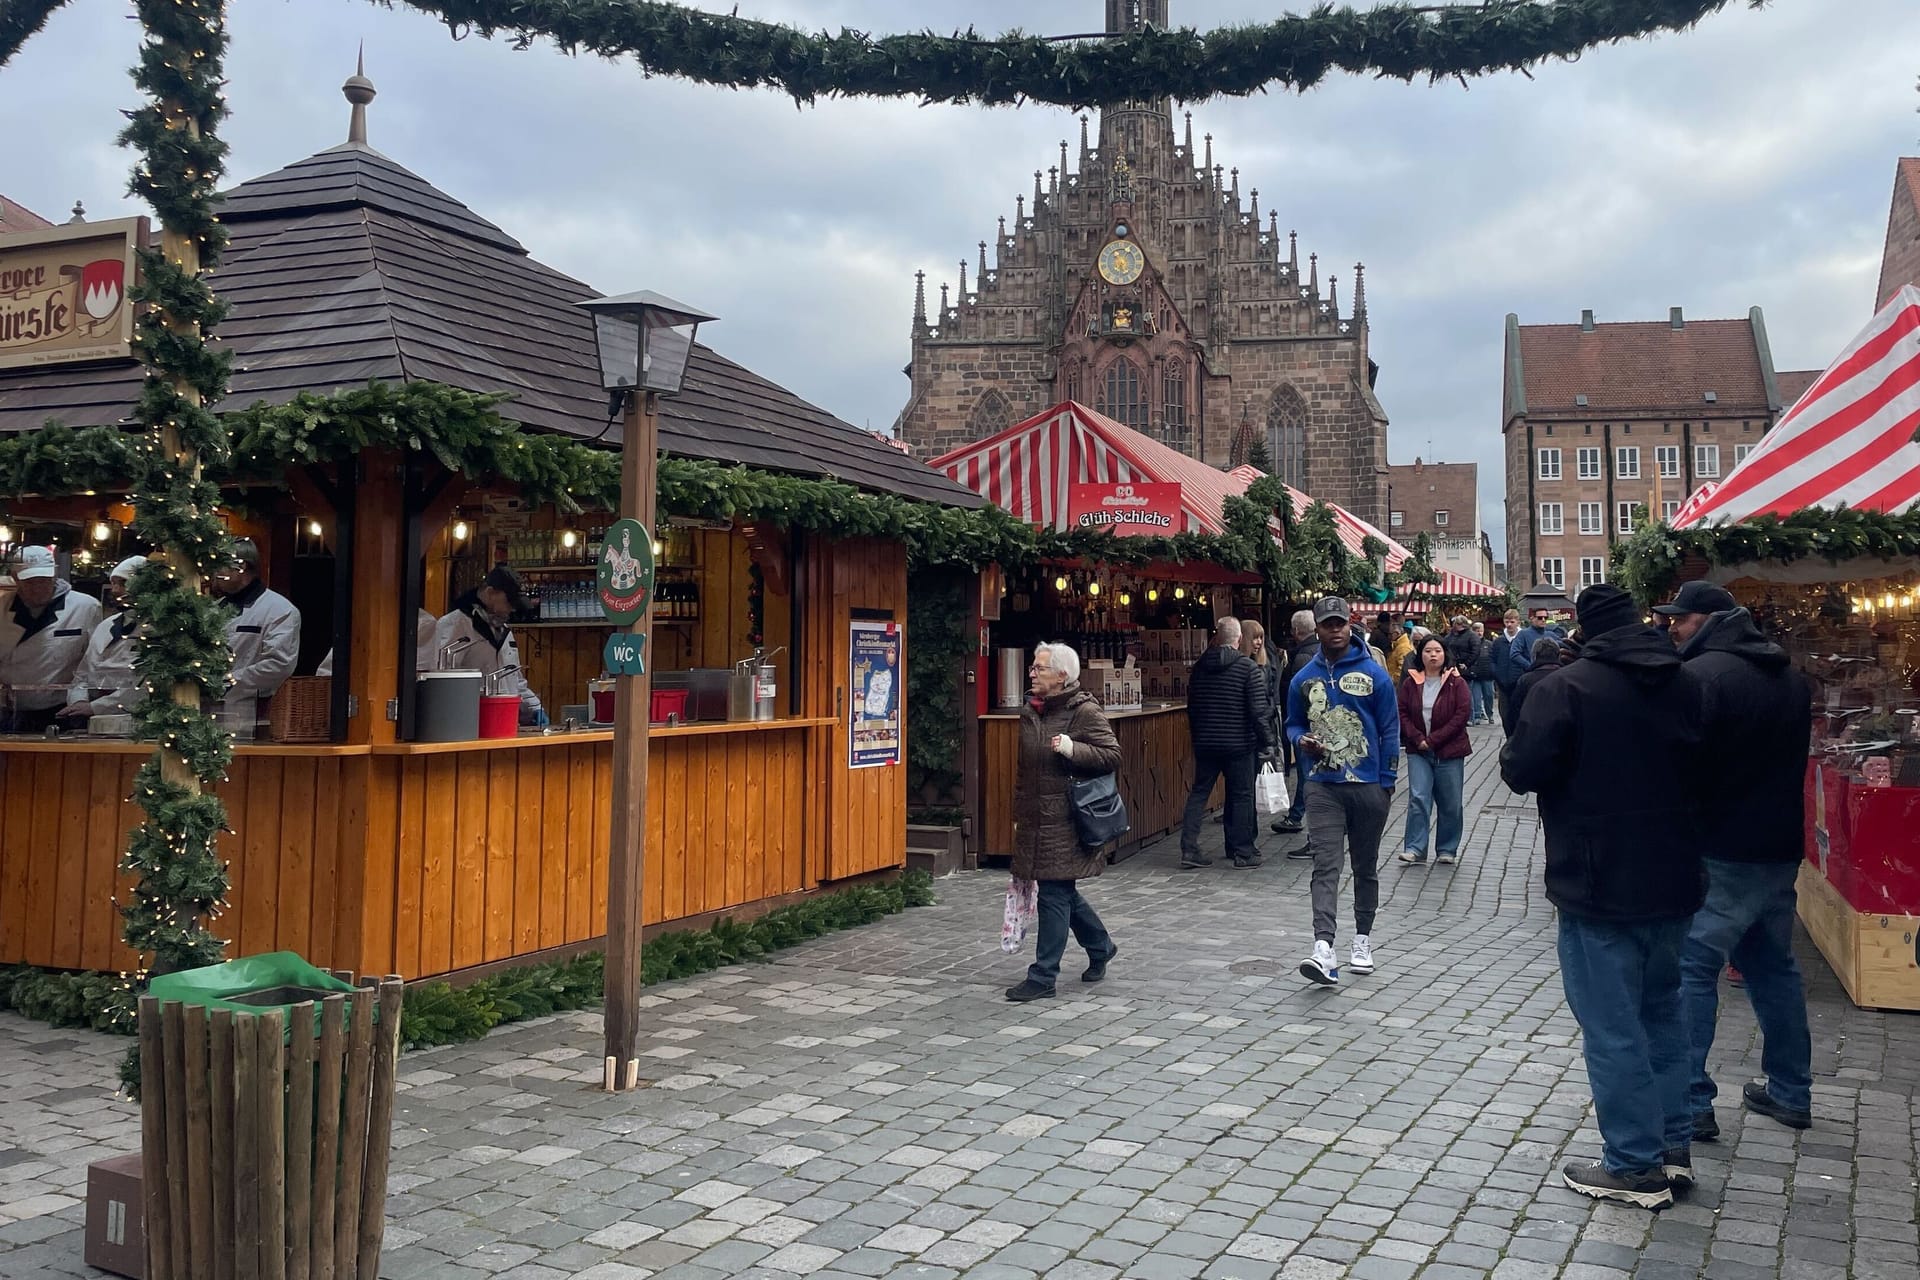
[63, 293]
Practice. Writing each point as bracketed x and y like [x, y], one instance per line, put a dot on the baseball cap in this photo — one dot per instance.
[34, 562]
[1698, 597]
[504, 579]
[1330, 607]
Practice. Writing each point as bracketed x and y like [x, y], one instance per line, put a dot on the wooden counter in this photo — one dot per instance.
[1156, 769]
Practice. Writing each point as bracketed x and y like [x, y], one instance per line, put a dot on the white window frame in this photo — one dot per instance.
[1593, 518]
[1740, 452]
[1553, 571]
[1626, 462]
[1667, 456]
[1553, 521]
[1588, 462]
[1395, 519]
[1542, 458]
[1669, 508]
[1623, 518]
[1440, 519]
[1598, 573]
[1706, 461]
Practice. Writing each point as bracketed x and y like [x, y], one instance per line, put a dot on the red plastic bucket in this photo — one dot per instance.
[668, 702]
[603, 700]
[500, 716]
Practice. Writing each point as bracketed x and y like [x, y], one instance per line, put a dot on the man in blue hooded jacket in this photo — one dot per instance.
[1344, 716]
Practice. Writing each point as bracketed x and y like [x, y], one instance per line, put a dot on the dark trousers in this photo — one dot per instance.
[1238, 769]
[1623, 985]
[1297, 811]
[1505, 696]
[1344, 823]
[1748, 918]
[1061, 908]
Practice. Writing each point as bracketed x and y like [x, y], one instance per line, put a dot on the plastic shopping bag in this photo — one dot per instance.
[1270, 790]
[1023, 908]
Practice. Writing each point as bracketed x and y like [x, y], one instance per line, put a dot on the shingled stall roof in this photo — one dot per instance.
[1652, 367]
[346, 267]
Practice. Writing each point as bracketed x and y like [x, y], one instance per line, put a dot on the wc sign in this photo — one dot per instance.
[1126, 509]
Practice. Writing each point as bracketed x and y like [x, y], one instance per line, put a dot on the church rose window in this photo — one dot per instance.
[1287, 436]
[1121, 397]
[1173, 392]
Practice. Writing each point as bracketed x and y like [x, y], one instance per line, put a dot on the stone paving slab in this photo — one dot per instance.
[869, 1105]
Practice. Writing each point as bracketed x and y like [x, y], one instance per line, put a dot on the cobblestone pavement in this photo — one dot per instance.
[869, 1105]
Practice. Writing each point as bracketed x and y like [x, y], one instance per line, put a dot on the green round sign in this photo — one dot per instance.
[625, 572]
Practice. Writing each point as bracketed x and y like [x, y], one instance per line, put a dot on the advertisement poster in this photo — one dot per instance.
[1125, 510]
[878, 684]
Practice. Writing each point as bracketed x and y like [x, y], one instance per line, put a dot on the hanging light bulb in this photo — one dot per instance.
[101, 531]
[461, 530]
[569, 539]
[656, 548]
[313, 528]
[1126, 598]
[1093, 588]
[1179, 593]
[6, 533]
[1060, 583]
[1153, 594]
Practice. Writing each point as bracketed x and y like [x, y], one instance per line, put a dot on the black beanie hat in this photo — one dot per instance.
[1605, 607]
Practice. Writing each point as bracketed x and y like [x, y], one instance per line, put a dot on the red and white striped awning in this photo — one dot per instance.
[1849, 441]
[1027, 468]
[1450, 584]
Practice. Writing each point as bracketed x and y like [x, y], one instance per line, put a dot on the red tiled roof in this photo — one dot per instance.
[17, 217]
[1794, 383]
[1648, 366]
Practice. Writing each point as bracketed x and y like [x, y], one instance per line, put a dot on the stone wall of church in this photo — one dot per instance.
[949, 381]
[1346, 448]
[1900, 265]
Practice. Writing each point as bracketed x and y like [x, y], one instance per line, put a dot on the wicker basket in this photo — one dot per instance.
[302, 710]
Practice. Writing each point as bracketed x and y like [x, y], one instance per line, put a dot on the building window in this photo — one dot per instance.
[1668, 456]
[1740, 452]
[1551, 520]
[1396, 518]
[1706, 460]
[1592, 518]
[1553, 571]
[1173, 389]
[1120, 396]
[1669, 509]
[1589, 464]
[1593, 571]
[1626, 462]
[991, 415]
[1549, 464]
[1287, 436]
[1624, 513]
[1440, 519]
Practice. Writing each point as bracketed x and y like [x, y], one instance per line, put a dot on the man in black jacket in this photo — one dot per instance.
[1757, 712]
[1232, 726]
[1305, 645]
[1611, 744]
[1546, 657]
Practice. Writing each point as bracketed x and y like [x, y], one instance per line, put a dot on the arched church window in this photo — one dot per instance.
[991, 414]
[1121, 396]
[1173, 393]
[1287, 436]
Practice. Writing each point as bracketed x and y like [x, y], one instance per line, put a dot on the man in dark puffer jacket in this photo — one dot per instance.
[1232, 726]
[1758, 715]
[1611, 743]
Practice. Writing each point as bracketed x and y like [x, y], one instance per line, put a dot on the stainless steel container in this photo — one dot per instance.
[1013, 678]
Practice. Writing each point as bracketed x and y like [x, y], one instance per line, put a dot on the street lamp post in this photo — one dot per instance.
[645, 342]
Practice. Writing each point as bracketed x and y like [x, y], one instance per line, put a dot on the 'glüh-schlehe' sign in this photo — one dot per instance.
[63, 293]
[1127, 510]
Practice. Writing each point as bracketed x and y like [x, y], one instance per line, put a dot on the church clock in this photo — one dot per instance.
[1121, 262]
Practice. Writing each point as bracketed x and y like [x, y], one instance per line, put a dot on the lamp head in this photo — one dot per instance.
[644, 339]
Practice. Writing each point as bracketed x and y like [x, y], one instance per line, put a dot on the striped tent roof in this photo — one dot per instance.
[1027, 467]
[1451, 584]
[1849, 441]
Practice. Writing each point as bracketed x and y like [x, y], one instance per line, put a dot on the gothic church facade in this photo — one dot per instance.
[1138, 281]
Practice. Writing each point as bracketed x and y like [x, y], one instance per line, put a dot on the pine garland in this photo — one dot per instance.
[1649, 563]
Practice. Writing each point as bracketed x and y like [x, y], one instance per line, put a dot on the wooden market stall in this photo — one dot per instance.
[1138, 628]
[358, 846]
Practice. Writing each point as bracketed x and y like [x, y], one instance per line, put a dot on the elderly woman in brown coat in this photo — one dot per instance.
[1063, 735]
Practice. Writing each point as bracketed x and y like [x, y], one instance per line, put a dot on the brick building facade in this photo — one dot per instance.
[1900, 263]
[1607, 423]
[1441, 500]
[1204, 329]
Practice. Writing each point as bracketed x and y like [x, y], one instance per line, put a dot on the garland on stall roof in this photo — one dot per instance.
[1650, 562]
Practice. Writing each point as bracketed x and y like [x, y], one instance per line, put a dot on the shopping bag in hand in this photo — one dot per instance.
[1270, 790]
[1023, 908]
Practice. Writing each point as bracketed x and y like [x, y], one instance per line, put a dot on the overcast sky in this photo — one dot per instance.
[1749, 162]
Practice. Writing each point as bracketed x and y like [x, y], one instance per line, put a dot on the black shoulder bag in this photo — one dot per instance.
[1099, 814]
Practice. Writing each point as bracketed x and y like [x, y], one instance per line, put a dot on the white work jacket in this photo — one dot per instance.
[492, 649]
[264, 636]
[105, 677]
[38, 655]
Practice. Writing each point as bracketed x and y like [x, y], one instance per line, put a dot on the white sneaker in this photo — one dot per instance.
[1361, 961]
[1321, 967]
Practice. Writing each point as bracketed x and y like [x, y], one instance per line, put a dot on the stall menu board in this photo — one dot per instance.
[1126, 510]
[877, 675]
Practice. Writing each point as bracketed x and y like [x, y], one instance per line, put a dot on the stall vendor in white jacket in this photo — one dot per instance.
[104, 683]
[263, 634]
[42, 637]
[481, 617]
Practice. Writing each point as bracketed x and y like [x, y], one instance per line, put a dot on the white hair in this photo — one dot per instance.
[1061, 658]
[1302, 623]
[1227, 632]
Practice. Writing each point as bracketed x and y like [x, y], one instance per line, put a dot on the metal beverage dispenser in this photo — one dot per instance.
[753, 688]
[1013, 678]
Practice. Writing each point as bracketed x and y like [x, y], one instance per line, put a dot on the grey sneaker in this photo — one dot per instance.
[1649, 1188]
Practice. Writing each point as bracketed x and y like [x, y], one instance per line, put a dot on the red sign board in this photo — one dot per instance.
[1128, 510]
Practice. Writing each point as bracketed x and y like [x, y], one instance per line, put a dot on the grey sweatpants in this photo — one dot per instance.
[1353, 815]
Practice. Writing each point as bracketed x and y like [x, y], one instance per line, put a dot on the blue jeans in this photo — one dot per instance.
[1062, 908]
[1623, 985]
[1482, 691]
[1298, 809]
[1434, 790]
[1748, 918]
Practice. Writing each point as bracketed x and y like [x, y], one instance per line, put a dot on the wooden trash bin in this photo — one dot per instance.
[265, 1137]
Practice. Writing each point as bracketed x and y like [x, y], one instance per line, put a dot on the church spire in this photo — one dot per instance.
[1256, 206]
[1359, 291]
[1083, 143]
[1189, 137]
[981, 279]
[1313, 270]
[919, 301]
[1037, 193]
[1293, 254]
[963, 281]
[1333, 295]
